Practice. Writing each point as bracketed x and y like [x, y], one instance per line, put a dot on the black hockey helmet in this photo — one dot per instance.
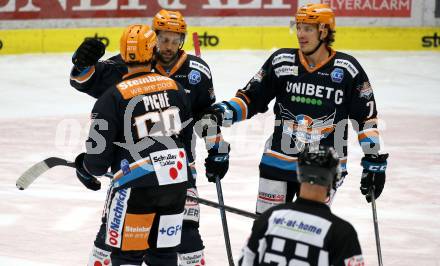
[319, 166]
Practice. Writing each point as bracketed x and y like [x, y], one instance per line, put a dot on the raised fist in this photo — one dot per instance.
[88, 53]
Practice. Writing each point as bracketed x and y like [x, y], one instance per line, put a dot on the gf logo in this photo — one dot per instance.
[170, 231]
[103, 39]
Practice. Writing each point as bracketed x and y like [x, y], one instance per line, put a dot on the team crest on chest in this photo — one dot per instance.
[194, 77]
[337, 75]
[305, 129]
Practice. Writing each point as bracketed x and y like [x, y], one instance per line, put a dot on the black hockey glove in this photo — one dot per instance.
[221, 114]
[88, 53]
[88, 180]
[217, 162]
[373, 175]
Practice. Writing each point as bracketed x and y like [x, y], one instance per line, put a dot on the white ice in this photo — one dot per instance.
[54, 222]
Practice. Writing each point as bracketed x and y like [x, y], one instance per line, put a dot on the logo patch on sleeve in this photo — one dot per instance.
[200, 67]
[259, 76]
[365, 90]
[283, 58]
[347, 65]
[136, 231]
[286, 71]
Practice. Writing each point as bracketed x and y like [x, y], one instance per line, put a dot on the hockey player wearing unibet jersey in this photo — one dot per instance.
[138, 129]
[94, 78]
[316, 91]
[305, 232]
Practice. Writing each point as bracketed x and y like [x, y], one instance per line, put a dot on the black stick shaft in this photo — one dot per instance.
[226, 207]
[224, 221]
[376, 227]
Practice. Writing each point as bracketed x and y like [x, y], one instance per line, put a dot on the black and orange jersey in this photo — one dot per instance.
[139, 129]
[312, 104]
[190, 71]
[301, 233]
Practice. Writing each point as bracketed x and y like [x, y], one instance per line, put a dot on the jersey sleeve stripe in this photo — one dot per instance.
[279, 162]
[244, 96]
[84, 76]
[137, 169]
[368, 136]
[240, 107]
[214, 141]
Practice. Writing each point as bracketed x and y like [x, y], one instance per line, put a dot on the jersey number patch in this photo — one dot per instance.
[301, 250]
[159, 123]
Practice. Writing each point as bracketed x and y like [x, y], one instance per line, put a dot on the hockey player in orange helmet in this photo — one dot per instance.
[94, 78]
[170, 27]
[315, 29]
[138, 44]
[141, 201]
[316, 91]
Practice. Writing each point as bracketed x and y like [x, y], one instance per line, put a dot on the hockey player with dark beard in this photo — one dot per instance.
[305, 232]
[138, 129]
[316, 91]
[94, 78]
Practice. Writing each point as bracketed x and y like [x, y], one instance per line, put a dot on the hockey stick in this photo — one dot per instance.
[217, 180]
[226, 207]
[376, 227]
[224, 221]
[28, 177]
[38, 169]
[196, 44]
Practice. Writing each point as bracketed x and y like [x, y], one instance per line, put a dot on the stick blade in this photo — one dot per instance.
[31, 174]
[38, 169]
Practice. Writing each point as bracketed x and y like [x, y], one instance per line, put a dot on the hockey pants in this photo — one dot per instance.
[189, 251]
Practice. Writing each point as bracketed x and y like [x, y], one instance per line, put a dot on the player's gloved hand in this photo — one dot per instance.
[217, 162]
[88, 180]
[88, 53]
[221, 114]
[373, 174]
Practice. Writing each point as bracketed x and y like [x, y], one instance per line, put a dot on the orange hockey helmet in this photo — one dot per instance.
[138, 43]
[316, 14]
[169, 21]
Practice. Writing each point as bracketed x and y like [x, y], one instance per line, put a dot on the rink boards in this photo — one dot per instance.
[49, 40]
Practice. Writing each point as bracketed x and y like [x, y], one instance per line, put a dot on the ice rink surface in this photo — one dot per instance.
[55, 221]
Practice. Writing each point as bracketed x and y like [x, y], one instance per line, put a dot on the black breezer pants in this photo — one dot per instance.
[153, 214]
[191, 240]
